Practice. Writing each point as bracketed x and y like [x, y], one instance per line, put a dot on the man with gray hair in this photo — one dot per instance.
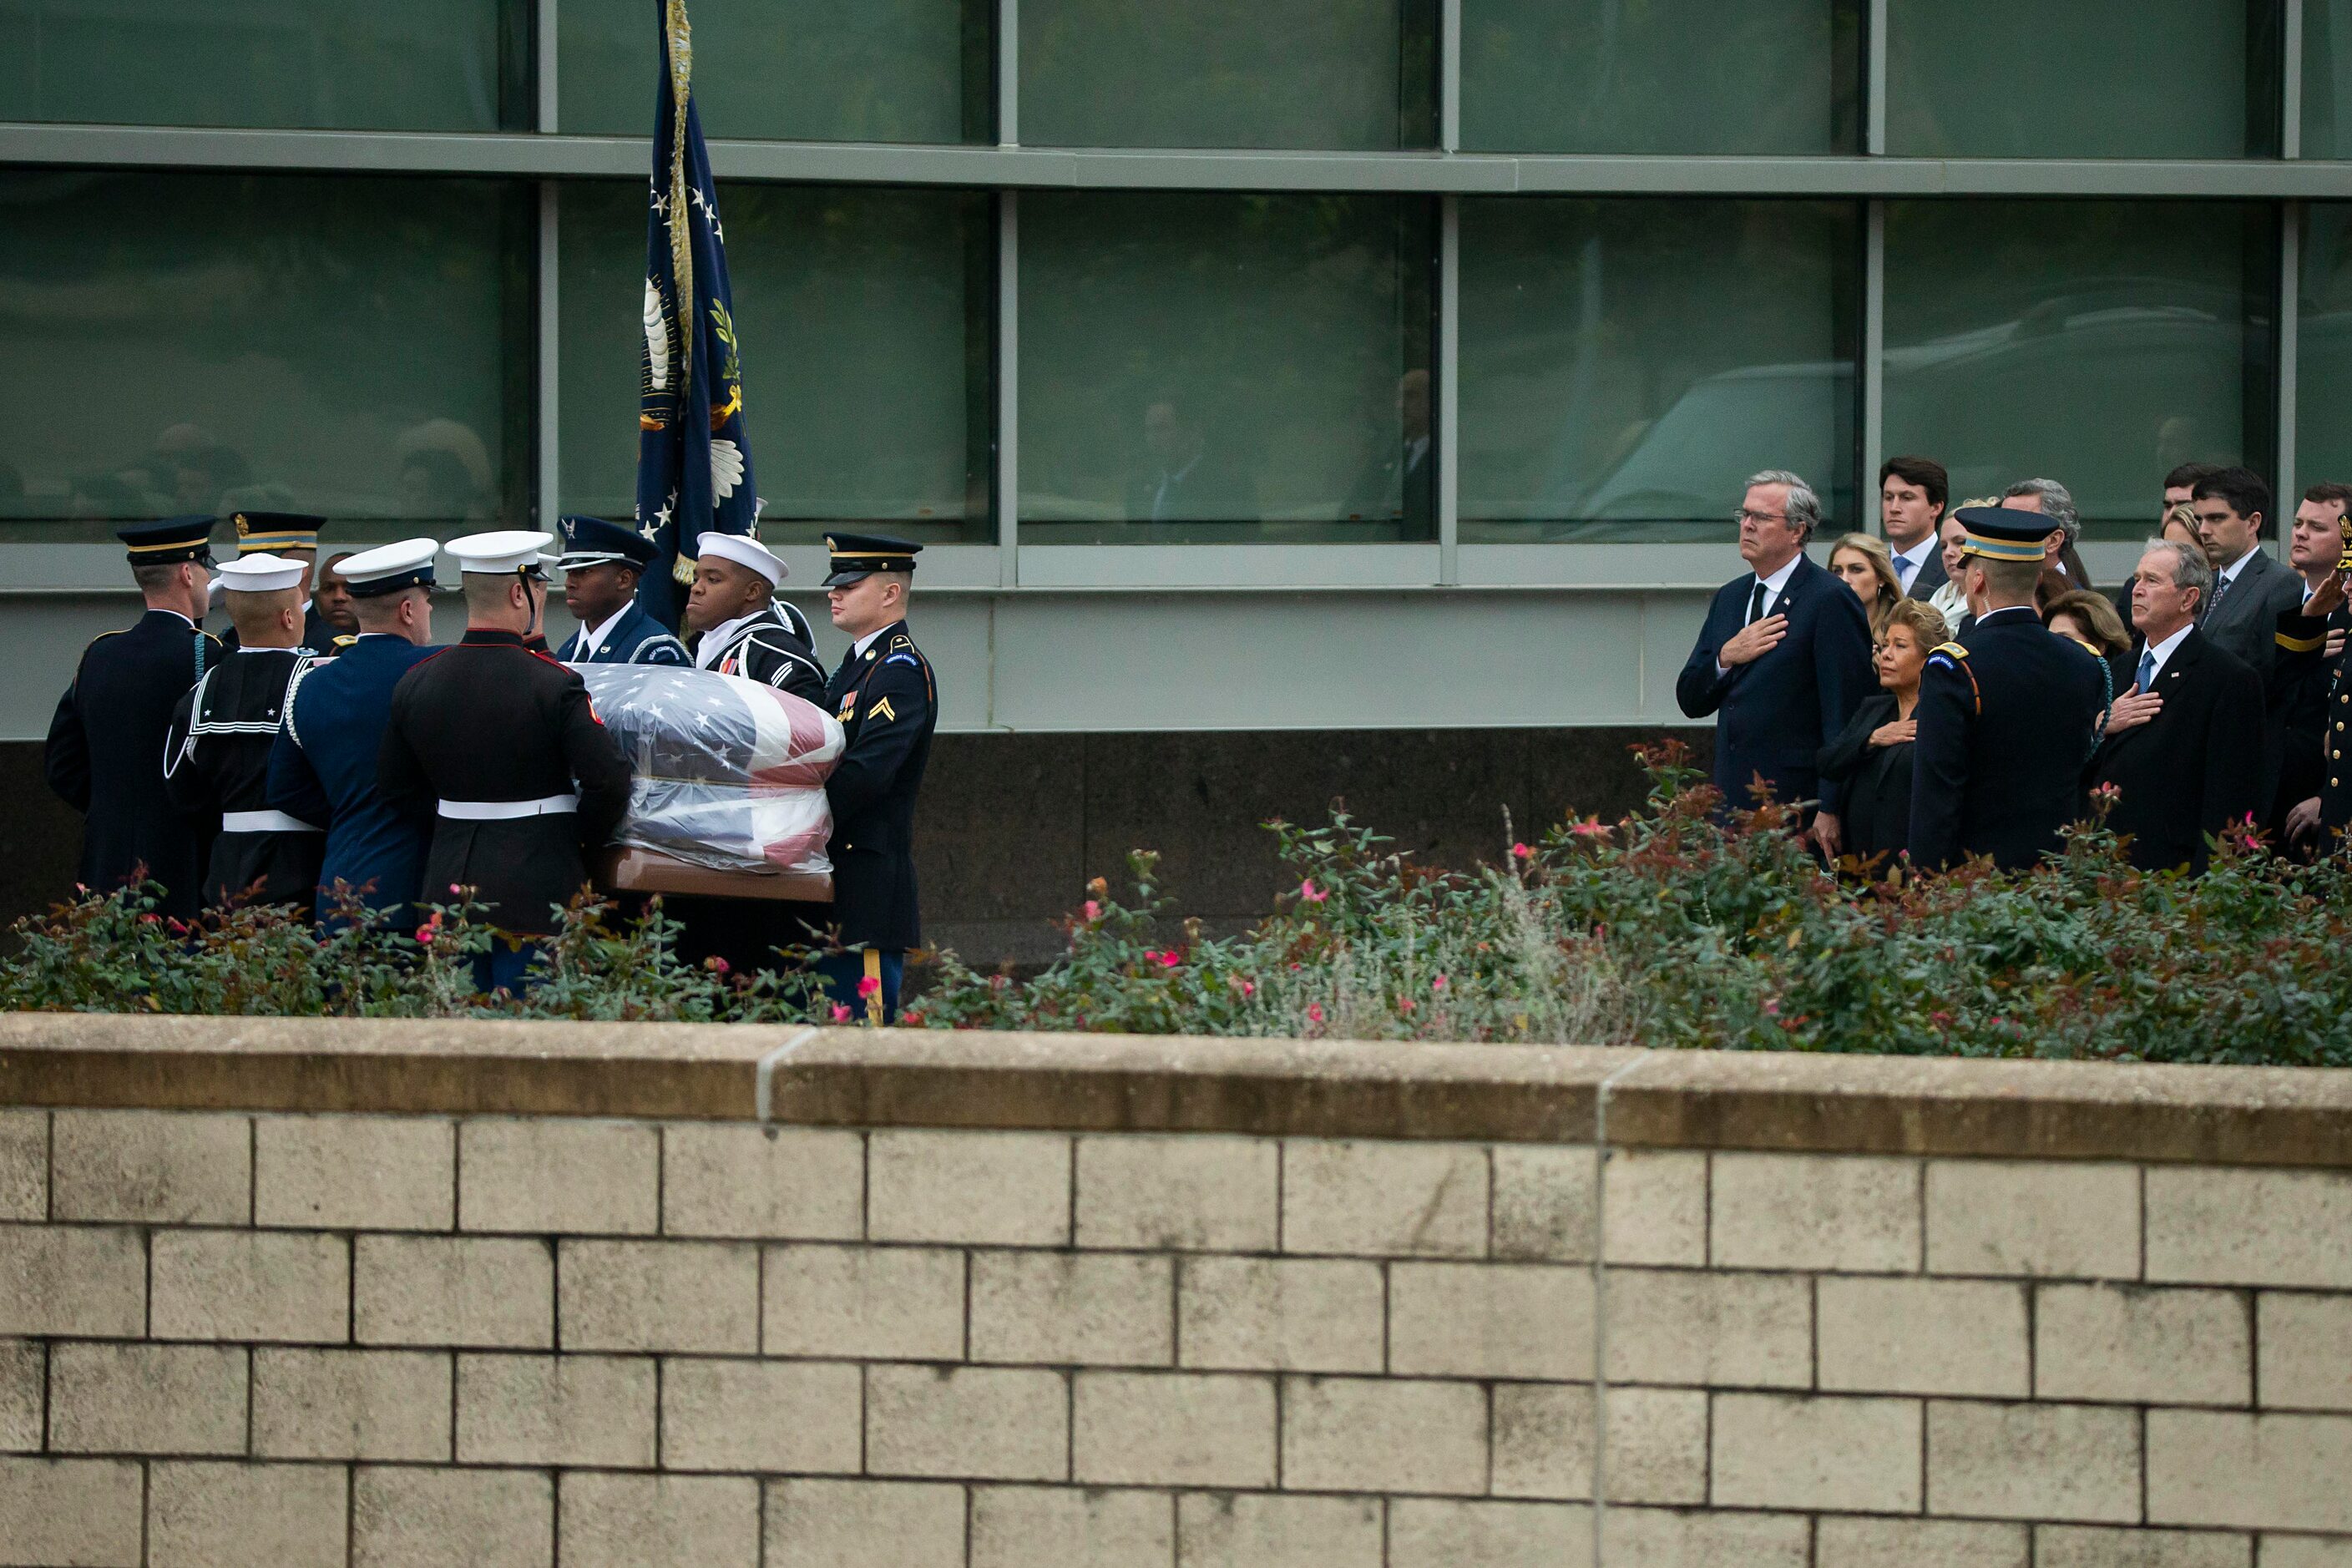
[2185, 749]
[2056, 503]
[1784, 658]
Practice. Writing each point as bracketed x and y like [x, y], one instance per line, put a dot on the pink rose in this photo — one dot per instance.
[1522, 852]
[1315, 1012]
[869, 987]
[840, 1013]
[1093, 911]
[1310, 894]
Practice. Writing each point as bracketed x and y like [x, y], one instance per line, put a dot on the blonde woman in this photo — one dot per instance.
[1873, 754]
[1862, 565]
[1948, 601]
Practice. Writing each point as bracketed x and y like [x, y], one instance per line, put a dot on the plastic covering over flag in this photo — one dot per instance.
[694, 459]
[723, 771]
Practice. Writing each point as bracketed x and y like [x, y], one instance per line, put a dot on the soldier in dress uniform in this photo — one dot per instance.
[2007, 715]
[107, 737]
[322, 765]
[739, 627]
[602, 563]
[497, 742]
[887, 703]
[289, 536]
[216, 752]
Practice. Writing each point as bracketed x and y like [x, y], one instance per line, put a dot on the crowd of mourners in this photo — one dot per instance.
[1960, 686]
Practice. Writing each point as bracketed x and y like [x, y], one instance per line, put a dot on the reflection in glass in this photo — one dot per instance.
[865, 317]
[1224, 368]
[419, 64]
[2327, 79]
[1701, 76]
[1626, 364]
[177, 343]
[807, 70]
[2029, 78]
[2097, 343]
[2323, 426]
[1229, 73]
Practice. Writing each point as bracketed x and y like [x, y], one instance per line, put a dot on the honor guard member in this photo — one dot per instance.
[289, 536]
[217, 753]
[887, 704]
[2007, 716]
[497, 742]
[107, 739]
[738, 625]
[602, 563]
[322, 765]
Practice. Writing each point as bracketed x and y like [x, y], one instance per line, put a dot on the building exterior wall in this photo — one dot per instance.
[1039, 1313]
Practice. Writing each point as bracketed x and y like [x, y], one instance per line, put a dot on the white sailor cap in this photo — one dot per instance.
[508, 550]
[744, 550]
[262, 574]
[389, 568]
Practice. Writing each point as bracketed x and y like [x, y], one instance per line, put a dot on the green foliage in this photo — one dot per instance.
[1672, 928]
[1669, 927]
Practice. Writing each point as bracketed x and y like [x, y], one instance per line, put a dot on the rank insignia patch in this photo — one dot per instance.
[882, 709]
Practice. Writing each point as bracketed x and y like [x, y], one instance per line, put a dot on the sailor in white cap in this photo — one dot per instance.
[216, 752]
[322, 764]
[736, 624]
[497, 742]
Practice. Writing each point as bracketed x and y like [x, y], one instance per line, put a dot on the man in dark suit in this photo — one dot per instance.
[2006, 715]
[105, 750]
[2251, 590]
[1395, 486]
[2185, 749]
[888, 705]
[1913, 493]
[1183, 481]
[2056, 503]
[1784, 657]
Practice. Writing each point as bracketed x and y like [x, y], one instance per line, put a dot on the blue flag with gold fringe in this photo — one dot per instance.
[694, 460]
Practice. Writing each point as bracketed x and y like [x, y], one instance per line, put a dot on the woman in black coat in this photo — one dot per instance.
[1873, 753]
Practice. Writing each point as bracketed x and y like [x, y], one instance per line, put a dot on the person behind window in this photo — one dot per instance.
[1872, 755]
[1865, 565]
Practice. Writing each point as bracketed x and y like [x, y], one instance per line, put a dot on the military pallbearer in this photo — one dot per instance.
[602, 564]
[887, 703]
[106, 741]
[741, 627]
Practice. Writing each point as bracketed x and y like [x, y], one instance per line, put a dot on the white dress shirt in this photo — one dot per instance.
[591, 640]
[2163, 652]
[1774, 587]
[1907, 564]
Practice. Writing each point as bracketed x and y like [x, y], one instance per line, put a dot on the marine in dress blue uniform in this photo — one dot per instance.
[888, 701]
[106, 741]
[322, 765]
[2008, 715]
[602, 564]
[217, 753]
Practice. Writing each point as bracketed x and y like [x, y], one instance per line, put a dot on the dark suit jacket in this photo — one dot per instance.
[2245, 619]
[1876, 780]
[1779, 711]
[2194, 769]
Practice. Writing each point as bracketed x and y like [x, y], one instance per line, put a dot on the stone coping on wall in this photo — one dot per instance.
[895, 1078]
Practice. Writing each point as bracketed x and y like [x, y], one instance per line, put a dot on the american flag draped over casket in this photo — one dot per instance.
[725, 772]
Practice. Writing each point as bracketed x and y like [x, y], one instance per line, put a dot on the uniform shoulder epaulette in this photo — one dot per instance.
[346, 640]
[1953, 649]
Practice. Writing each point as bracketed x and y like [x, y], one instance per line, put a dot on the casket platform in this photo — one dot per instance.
[634, 870]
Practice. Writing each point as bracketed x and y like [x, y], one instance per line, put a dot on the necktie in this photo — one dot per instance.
[2146, 670]
[2220, 590]
[1756, 602]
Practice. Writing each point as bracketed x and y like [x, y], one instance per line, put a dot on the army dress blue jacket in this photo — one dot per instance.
[888, 705]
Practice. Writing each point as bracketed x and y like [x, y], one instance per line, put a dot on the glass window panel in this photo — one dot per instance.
[176, 342]
[1229, 73]
[1699, 76]
[2323, 426]
[791, 70]
[2327, 79]
[1224, 368]
[2031, 78]
[1626, 364]
[865, 320]
[2097, 343]
[417, 64]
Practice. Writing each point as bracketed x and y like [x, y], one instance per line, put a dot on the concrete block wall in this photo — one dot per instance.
[473, 1337]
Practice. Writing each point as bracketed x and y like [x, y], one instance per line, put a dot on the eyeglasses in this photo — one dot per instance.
[1741, 514]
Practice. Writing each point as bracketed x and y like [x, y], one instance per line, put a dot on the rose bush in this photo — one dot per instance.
[1669, 927]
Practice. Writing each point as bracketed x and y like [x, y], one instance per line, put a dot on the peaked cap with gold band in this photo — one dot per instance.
[2003, 533]
[267, 533]
[170, 541]
[856, 556]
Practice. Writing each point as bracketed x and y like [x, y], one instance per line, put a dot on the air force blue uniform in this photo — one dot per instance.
[322, 769]
[636, 639]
